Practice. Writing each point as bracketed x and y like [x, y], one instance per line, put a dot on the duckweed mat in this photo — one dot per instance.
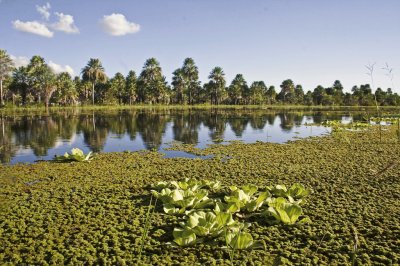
[93, 212]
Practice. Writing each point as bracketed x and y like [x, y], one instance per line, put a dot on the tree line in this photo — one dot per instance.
[36, 83]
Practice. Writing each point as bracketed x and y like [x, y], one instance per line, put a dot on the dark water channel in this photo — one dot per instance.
[40, 136]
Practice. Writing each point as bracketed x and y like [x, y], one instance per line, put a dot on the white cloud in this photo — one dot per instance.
[33, 27]
[20, 60]
[44, 11]
[65, 23]
[59, 68]
[117, 25]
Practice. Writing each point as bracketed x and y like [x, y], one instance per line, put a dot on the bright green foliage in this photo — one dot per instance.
[184, 237]
[75, 155]
[187, 196]
[239, 240]
[284, 211]
[339, 126]
[246, 199]
[178, 200]
[95, 215]
[296, 191]
[208, 223]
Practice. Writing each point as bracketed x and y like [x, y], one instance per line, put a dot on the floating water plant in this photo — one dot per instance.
[285, 212]
[210, 217]
[75, 155]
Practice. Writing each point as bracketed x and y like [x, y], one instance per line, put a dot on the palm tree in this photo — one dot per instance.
[118, 86]
[216, 84]
[41, 78]
[178, 82]
[94, 73]
[6, 66]
[67, 92]
[238, 89]
[191, 76]
[131, 86]
[287, 87]
[151, 84]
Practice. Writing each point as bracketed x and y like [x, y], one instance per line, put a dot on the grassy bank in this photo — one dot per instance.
[94, 212]
[194, 107]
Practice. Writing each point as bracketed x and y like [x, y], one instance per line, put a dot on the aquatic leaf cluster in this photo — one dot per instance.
[75, 155]
[387, 120]
[94, 214]
[213, 218]
[340, 126]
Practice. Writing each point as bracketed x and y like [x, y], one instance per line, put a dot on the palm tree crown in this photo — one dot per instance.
[94, 73]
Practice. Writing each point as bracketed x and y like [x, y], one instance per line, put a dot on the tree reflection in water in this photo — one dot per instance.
[40, 132]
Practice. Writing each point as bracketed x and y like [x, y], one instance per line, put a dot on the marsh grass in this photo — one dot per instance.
[356, 243]
[147, 224]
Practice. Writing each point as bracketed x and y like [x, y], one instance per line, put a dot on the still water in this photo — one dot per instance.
[40, 136]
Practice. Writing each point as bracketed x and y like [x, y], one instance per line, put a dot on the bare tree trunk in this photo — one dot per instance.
[1, 92]
[94, 122]
[48, 97]
[93, 93]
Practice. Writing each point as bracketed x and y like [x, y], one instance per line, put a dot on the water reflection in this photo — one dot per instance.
[26, 138]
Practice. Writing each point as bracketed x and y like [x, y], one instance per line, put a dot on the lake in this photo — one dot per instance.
[40, 136]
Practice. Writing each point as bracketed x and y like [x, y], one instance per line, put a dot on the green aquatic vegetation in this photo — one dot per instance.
[179, 200]
[387, 120]
[147, 224]
[296, 191]
[207, 223]
[210, 224]
[75, 155]
[285, 212]
[246, 199]
[183, 237]
[186, 194]
[94, 213]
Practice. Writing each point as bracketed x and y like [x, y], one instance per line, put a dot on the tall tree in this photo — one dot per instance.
[191, 77]
[117, 86]
[41, 78]
[131, 87]
[6, 67]
[318, 95]
[94, 73]
[298, 94]
[287, 87]
[152, 87]
[66, 93]
[37, 70]
[216, 84]
[258, 90]
[20, 83]
[179, 84]
[238, 89]
[271, 95]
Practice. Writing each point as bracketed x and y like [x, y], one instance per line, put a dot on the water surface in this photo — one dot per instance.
[40, 136]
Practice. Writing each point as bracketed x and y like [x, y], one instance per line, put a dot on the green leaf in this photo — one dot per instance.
[184, 237]
[250, 189]
[240, 240]
[170, 209]
[298, 191]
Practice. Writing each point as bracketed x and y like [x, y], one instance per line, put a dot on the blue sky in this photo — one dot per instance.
[310, 41]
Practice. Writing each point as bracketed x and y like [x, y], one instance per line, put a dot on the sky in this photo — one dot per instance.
[312, 42]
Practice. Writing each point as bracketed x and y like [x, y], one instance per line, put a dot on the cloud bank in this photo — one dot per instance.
[44, 11]
[118, 25]
[19, 61]
[65, 23]
[59, 68]
[33, 27]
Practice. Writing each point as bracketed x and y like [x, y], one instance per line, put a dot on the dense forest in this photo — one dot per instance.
[37, 84]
